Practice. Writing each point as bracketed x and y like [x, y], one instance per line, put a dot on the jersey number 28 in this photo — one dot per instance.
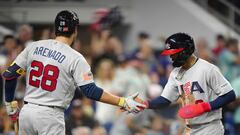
[49, 75]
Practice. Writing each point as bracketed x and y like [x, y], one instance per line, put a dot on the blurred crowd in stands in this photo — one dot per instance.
[123, 73]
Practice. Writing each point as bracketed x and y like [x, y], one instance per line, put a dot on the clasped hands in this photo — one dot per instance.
[132, 104]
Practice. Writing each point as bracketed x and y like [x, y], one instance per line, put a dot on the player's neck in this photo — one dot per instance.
[190, 62]
[64, 40]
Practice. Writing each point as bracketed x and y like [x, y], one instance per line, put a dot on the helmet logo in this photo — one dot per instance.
[173, 40]
[167, 46]
[62, 23]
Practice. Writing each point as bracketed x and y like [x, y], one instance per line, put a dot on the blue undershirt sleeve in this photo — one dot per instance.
[10, 86]
[92, 91]
[10, 76]
[158, 103]
[223, 100]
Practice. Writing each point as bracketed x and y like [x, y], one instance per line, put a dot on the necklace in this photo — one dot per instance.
[182, 71]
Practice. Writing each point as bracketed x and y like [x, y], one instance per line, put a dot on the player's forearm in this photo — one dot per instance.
[159, 102]
[10, 86]
[11, 75]
[94, 92]
[110, 99]
[223, 100]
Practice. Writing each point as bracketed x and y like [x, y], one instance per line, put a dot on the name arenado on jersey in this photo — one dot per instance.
[53, 54]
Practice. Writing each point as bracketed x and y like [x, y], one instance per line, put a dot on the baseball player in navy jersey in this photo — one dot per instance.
[53, 71]
[199, 84]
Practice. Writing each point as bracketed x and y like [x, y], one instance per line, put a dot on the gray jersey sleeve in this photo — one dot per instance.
[170, 91]
[81, 71]
[22, 58]
[218, 82]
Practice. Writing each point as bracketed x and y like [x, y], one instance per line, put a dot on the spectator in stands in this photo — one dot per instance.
[46, 34]
[98, 42]
[140, 132]
[229, 60]
[176, 126]
[77, 45]
[113, 45]
[110, 47]
[156, 127]
[129, 124]
[9, 44]
[132, 77]
[155, 89]
[78, 118]
[25, 34]
[81, 131]
[8, 52]
[162, 67]
[144, 50]
[5, 123]
[203, 50]
[236, 86]
[99, 131]
[105, 74]
[220, 45]
[142, 37]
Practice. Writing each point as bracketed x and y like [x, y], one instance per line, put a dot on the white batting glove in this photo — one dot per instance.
[129, 104]
[12, 110]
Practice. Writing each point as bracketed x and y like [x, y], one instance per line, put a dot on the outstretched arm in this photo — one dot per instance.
[94, 92]
[157, 103]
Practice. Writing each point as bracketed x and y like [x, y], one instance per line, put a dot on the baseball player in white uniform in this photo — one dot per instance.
[199, 84]
[53, 71]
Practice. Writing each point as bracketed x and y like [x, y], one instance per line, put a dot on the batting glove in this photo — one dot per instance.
[12, 110]
[191, 111]
[130, 104]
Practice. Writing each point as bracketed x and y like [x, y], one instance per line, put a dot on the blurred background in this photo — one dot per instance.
[122, 41]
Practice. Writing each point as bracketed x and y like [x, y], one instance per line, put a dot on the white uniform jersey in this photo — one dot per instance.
[202, 82]
[53, 71]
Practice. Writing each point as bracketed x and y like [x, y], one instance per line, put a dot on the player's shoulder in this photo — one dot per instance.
[201, 64]
[38, 42]
[205, 64]
[76, 54]
[42, 41]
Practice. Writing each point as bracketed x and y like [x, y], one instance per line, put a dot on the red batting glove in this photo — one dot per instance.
[191, 111]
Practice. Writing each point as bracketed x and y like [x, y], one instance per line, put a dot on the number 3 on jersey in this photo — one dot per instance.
[49, 75]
